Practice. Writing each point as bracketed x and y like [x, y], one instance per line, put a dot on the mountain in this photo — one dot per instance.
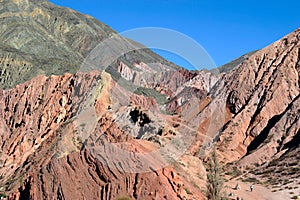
[80, 120]
[45, 52]
[229, 66]
[39, 38]
[263, 100]
[259, 136]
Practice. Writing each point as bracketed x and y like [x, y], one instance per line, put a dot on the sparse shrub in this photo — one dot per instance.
[188, 191]
[256, 164]
[251, 180]
[124, 198]
[4, 195]
[273, 163]
[235, 172]
[21, 181]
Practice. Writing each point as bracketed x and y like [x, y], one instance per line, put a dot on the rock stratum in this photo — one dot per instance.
[141, 127]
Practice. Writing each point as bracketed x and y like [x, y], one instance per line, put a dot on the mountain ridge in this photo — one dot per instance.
[60, 130]
[51, 40]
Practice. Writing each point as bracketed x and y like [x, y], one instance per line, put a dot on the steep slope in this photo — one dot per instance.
[45, 156]
[96, 134]
[259, 112]
[263, 101]
[229, 66]
[39, 38]
[252, 116]
[47, 148]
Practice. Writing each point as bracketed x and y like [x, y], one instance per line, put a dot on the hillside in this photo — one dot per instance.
[39, 38]
[82, 122]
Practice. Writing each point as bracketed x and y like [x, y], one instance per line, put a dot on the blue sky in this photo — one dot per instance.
[226, 29]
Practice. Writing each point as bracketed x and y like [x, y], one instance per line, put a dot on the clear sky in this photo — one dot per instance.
[226, 29]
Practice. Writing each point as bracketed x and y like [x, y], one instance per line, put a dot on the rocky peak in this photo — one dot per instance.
[262, 93]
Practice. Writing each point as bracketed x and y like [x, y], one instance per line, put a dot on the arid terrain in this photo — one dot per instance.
[82, 122]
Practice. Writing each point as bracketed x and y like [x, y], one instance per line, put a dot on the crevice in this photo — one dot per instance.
[42, 184]
[60, 194]
[294, 143]
[17, 125]
[267, 70]
[100, 174]
[170, 182]
[46, 133]
[297, 66]
[135, 186]
[69, 163]
[257, 111]
[25, 191]
[260, 66]
[39, 122]
[153, 170]
[265, 132]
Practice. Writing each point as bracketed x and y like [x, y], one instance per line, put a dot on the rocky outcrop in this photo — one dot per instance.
[53, 126]
[263, 94]
[257, 104]
[44, 155]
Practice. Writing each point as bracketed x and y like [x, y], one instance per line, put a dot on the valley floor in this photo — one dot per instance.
[260, 192]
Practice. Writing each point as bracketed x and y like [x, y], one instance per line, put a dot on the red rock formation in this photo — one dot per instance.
[263, 92]
[86, 136]
[43, 157]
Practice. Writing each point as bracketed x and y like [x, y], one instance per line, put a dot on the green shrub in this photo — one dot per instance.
[124, 198]
[188, 191]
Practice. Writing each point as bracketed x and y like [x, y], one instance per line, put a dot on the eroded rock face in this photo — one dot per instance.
[80, 176]
[263, 99]
[63, 136]
[252, 112]
[42, 147]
